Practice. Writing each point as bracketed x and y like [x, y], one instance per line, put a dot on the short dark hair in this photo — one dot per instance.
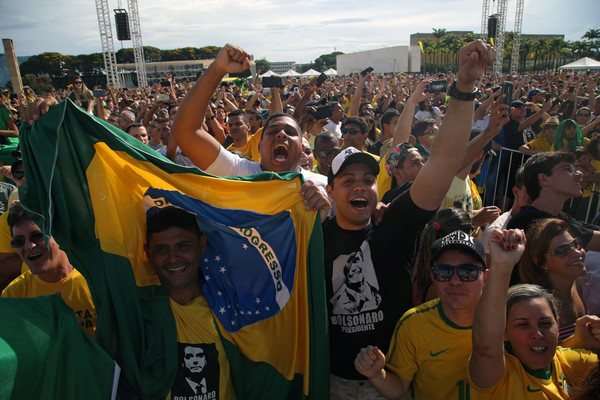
[281, 114]
[171, 217]
[242, 114]
[542, 163]
[134, 125]
[360, 121]
[323, 136]
[420, 126]
[16, 216]
[255, 113]
[161, 120]
[387, 117]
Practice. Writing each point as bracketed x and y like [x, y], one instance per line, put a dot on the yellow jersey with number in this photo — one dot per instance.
[432, 352]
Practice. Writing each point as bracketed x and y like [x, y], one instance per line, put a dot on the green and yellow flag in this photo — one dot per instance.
[86, 182]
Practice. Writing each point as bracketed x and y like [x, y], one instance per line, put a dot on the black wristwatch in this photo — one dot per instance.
[458, 95]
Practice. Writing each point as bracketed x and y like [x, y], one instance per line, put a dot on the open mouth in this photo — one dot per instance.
[538, 349]
[280, 153]
[177, 268]
[359, 203]
[34, 256]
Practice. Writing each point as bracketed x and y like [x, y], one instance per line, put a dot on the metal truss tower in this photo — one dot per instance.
[108, 48]
[514, 62]
[484, 19]
[499, 39]
[138, 47]
[500, 32]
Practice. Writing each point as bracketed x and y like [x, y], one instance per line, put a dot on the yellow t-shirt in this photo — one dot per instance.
[432, 352]
[384, 180]
[568, 369]
[203, 367]
[6, 237]
[540, 143]
[565, 142]
[73, 290]
[250, 150]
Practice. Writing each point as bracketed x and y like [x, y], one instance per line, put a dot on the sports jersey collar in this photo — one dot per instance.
[448, 321]
[545, 375]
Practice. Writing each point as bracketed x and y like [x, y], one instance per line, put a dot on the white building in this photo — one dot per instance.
[386, 60]
[279, 67]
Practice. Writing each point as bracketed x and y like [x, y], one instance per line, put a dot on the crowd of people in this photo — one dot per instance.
[455, 222]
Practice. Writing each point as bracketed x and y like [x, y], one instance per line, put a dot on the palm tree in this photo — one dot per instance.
[593, 35]
[438, 34]
[555, 47]
[524, 52]
[428, 49]
[540, 48]
[580, 48]
[453, 43]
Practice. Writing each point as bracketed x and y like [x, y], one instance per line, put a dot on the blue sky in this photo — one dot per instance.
[276, 30]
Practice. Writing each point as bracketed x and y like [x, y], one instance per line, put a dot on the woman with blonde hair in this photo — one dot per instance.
[81, 95]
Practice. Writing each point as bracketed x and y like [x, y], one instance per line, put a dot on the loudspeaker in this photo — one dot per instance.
[492, 25]
[122, 23]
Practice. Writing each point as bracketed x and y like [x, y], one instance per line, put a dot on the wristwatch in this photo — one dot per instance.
[458, 95]
[210, 118]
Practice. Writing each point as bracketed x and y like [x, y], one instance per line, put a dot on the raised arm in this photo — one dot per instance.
[541, 112]
[406, 118]
[312, 86]
[355, 104]
[276, 105]
[449, 147]
[197, 144]
[487, 359]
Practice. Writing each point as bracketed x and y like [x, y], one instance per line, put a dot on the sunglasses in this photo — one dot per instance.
[18, 175]
[584, 115]
[19, 241]
[78, 82]
[326, 153]
[351, 131]
[565, 249]
[465, 272]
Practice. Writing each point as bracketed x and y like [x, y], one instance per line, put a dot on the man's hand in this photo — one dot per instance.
[314, 199]
[35, 110]
[232, 59]
[420, 93]
[498, 116]
[587, 333]
[485, 215]
[474, 59]
[370, 362]
[506, 248]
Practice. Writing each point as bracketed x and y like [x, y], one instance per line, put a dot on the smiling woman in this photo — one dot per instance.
[515, 338]
[554, 259]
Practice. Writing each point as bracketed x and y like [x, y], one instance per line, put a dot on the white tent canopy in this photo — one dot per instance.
[330, 72]
[311, 72]
[268, 73]
[582, 63]
[291, 72]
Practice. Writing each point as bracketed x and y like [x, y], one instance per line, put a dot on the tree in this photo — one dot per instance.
[593, 35]
[207, 52]
[524, 51]
[439, 47]
[540, 48]
[43, 84]
[262, 65]
[555, 48]
[326, 61]
[125, 56]
[151, 54]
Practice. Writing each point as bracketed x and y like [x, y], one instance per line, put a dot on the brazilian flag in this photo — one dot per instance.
[89, 185]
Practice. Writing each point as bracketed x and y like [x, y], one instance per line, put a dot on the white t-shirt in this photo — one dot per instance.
[434, 113]
[228, 164]
[334, 128]
[499, 223]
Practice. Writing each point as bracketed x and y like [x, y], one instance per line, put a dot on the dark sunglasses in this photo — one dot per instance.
[465, 272]
[351, 131]
[326, 153]
[565, 249]
[18, 175]
[19, 241]
[78, 82]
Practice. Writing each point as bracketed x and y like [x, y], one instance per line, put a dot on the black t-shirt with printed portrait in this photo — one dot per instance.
[368, 281]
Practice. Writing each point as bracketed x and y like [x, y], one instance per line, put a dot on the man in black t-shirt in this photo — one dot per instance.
[383, 252]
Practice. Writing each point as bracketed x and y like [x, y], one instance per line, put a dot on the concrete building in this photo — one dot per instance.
[386, 60]
[279, 67]
[179, 69]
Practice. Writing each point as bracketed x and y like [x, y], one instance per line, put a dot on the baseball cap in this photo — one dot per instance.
[397, 155]
[517, 103]
[349, 156]
[551, 121]
[458, 240]
[316, 103]
[533, 92]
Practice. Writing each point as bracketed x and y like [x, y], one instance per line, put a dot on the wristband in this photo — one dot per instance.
[210, 118]
[458, 95]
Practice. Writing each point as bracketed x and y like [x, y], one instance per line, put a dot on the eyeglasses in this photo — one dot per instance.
[78, 82]
[18, 175]
[584, 115]
[351, 131]
[465, 272]
[564, 250]
[19, 241]
[326, 153]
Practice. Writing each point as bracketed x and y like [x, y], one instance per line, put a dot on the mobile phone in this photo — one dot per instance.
[507, 89]
[272, 81]
[99, 93]
[162, 97]
[323, 112]
[366, 71]
[438, 86]
[320, 79]
[295, 90]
